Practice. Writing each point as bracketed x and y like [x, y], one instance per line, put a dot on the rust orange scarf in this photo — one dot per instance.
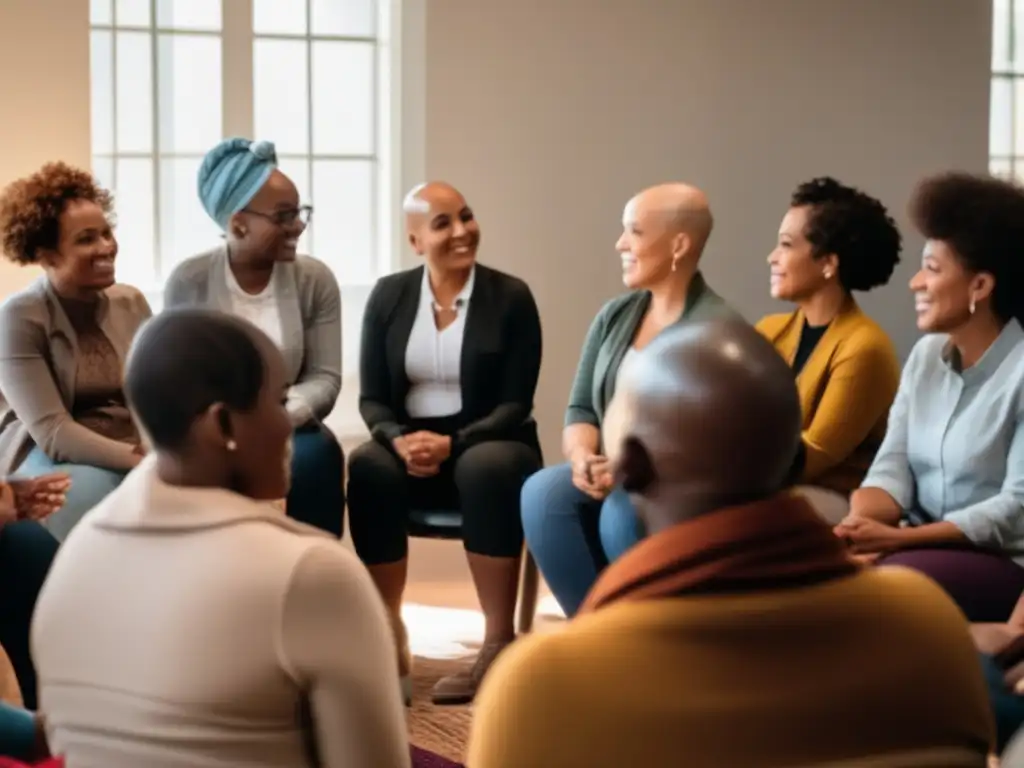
[771, 544]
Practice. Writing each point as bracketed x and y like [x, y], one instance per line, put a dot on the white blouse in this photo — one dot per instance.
[260, 309]
[433, 357]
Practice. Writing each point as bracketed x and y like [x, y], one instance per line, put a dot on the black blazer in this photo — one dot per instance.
[501, 353]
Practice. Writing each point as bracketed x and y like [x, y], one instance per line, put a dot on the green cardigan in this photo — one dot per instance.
[610, 337]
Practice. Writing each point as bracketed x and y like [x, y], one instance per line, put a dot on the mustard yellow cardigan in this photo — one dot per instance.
[846, 389]
[877, 667]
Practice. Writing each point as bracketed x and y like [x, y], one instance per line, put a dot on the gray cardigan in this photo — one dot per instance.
[38, 365]
[610, 337]
[309, 301]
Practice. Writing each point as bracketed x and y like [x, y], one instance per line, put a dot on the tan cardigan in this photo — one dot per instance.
[183, 627]
[38, 364]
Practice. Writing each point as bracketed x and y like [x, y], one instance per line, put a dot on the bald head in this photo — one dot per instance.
[422, 198]
[683, 209]
[706, 416]
[441, 226]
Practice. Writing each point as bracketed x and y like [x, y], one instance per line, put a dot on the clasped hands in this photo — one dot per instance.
[423, 452]
[592, 474]
[32, 498]
[867, 538]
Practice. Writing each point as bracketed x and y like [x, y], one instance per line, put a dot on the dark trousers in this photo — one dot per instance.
[26, 551]
[1007, 706]
[986, 585]
[482, 481]
[317, 495]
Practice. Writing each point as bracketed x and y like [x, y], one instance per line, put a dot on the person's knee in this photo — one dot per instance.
[318, 455]
[497, 465]
[89, 486]
[618, 525]
[548, 491]
[26, 551]
[372, 463]
[317, 461]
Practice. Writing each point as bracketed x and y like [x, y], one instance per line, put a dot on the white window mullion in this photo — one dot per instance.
[237, 68]
[155, 159]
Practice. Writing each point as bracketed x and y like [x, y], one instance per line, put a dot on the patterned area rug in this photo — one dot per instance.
[443, 730]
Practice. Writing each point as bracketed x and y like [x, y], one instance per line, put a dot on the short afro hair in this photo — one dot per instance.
[30, 208]
[185, 360]
[855, 227]
[982, 219]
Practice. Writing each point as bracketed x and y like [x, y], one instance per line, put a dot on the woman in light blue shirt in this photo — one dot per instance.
[945, 494]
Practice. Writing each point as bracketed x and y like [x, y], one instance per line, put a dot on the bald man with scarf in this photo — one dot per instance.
[739, 632]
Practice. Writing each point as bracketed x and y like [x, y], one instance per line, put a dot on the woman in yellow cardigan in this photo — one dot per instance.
[832, 241]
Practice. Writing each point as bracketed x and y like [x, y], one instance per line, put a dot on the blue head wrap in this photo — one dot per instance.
[231, 175]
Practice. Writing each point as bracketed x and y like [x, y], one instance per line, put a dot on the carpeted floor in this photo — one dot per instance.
[444, 730]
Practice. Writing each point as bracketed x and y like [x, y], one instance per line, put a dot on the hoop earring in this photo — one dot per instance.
[231, 445]
[675, 263]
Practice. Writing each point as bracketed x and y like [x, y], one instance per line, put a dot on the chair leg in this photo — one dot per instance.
[529, 587]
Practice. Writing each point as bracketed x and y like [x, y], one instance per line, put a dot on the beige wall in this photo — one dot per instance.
[549, 114]
[44, 93]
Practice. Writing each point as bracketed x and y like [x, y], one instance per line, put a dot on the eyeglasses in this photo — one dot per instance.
[286, 217]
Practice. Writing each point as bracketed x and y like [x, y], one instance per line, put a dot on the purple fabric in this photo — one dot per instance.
[421, 758]
[985, 585]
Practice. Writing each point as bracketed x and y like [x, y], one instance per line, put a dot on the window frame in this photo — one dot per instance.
[1004, 18]
[237, 38]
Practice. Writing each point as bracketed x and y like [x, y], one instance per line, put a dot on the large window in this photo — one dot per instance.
[1006, 117]
[170, 78]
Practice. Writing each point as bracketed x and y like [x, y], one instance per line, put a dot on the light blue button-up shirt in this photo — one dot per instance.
[954, 447]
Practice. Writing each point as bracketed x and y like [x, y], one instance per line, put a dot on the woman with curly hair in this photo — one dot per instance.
[834, 240]
[945, 494]
[63, 340]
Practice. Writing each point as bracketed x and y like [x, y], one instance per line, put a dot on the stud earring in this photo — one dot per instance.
[827, 274]
[231, 445]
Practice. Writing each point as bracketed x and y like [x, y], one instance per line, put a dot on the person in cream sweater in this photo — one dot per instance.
[188, 622]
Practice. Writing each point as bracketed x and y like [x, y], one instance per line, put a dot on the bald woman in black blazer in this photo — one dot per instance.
[449, 362]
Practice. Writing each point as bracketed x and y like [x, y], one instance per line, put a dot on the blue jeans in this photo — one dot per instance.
[1007, 706]
[571, 536]
[89, 486]
[317, 495]
[26, 553]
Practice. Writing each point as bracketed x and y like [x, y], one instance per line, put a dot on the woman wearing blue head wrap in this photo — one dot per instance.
[257, 275]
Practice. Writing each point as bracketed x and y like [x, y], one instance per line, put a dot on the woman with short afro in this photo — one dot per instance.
[835, 240]
[63, 340]
[945, 494]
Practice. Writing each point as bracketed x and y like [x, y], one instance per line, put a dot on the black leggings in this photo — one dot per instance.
[483, 482]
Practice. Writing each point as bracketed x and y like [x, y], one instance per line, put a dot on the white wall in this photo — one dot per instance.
[549, 115]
